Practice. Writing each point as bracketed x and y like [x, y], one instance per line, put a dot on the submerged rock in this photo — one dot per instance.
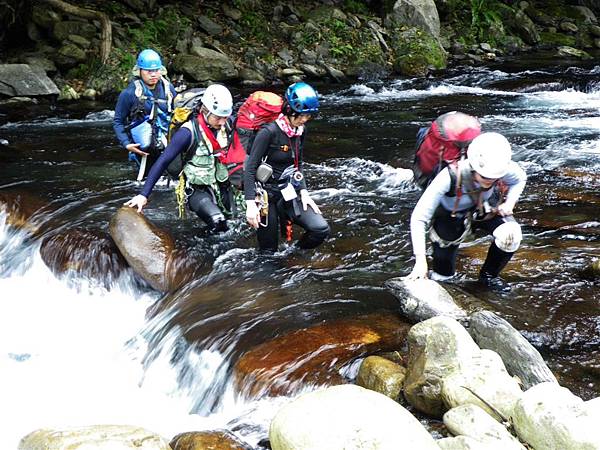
[98, 437]
[21, 210]
[423, 299]
[86, 252]
[347, 417]
[519, 356]
[592, 270]
[315, 355]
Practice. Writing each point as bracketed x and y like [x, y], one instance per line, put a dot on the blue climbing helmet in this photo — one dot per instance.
[302, 98]
[149, 60]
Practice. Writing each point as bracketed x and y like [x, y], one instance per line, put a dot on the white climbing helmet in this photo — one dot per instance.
[218, 100]
[489, 155]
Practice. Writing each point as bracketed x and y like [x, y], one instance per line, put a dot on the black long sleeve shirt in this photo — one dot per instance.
[281, 152]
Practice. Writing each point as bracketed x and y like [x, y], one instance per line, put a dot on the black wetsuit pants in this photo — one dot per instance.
[280, 211]
[203, 201]
[451, 228]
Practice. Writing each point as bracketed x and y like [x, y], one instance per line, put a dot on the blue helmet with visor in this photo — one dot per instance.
[149, 60]
[302, 98]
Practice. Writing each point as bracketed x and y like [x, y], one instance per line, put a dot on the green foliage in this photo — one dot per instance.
[355, 7]
[255, 25]
[351, 45]
[477, 20]
[484, 14]
[85, 70]
[340, 39]
[160, 32]
[112, 8]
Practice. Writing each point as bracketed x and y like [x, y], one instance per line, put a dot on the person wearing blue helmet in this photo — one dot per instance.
[144, 110]
[274, 184]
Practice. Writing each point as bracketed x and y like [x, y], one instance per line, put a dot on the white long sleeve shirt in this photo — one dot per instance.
[435, 195]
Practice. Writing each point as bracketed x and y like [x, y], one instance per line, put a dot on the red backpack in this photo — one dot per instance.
[259, 108]
[443, 143]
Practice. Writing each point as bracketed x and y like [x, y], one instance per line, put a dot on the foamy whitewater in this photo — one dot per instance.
[71, 355]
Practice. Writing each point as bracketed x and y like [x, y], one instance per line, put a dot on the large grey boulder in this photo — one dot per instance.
[474, 422]
[467, 443]
[423, 299]
[98, 437]
[23, 80]
[483, 381]
[416, 13]
[62, 30]
[520, 23]
[519, 356]
[550, 417]
[205, 65]
[349, 417]
[566, 51]
[438, 347]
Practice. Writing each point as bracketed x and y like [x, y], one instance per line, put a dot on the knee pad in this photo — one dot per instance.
[320, 233]
[219, 224]
[508, 236]
[324, 231]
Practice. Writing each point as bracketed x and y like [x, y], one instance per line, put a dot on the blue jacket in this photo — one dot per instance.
[129, 102]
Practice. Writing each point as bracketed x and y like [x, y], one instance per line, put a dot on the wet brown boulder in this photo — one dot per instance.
[145, 246]
[21, 209]
[314, 355]
[86, 252]
[208, 440]
[151, 251]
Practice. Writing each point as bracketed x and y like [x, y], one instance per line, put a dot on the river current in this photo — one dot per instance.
[75, 351]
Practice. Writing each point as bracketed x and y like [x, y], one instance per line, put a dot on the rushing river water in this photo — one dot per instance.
[73, 352]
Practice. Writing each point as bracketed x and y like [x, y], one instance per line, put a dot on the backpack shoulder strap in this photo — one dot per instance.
[168, 94]
[195, 136]
[271, 127]
[139, 89]
[454, 175]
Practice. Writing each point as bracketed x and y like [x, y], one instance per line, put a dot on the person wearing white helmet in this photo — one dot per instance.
[144, 110]
[201, 138]
[466, 197]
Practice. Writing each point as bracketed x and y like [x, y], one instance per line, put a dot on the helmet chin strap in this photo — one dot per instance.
[206, 116]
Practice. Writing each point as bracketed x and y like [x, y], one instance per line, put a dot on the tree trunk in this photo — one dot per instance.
[89, 14]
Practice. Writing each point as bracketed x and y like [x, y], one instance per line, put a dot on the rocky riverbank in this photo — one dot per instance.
[481, 377]
[53, 50]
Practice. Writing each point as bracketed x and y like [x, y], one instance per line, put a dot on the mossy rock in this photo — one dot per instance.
[416, 52]
[557, 39]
